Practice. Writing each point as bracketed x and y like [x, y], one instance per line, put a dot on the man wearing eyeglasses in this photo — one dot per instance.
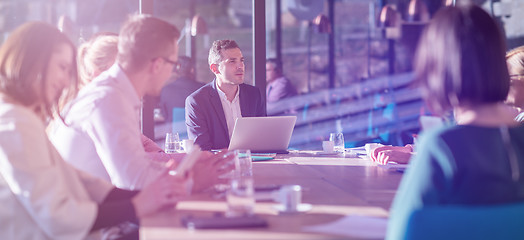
[212, 110]
[101, 135]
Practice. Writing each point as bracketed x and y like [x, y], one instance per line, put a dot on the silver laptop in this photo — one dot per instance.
[263, 134]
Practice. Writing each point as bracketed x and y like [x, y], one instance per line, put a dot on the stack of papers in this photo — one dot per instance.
[358, 150]
[395, 166]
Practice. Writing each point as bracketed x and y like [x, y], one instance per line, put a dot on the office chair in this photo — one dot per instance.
[467, 222]
[178, 124]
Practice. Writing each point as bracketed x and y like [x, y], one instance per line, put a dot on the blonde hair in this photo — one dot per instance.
[515, 59]
[96, 55]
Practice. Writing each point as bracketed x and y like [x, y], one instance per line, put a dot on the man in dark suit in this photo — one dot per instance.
[212, 110]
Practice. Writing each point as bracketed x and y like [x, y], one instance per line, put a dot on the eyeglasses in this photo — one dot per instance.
[176, 65]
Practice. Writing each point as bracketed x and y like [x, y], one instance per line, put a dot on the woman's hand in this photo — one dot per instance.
[383, 155]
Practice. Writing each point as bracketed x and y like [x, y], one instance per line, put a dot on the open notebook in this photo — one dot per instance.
[263, 134]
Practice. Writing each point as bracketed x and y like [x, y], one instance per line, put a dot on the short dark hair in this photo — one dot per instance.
[142, 38]
[460, 59]
[277, 63]
[215, 52]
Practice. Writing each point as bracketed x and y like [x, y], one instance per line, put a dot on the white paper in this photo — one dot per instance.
[394, 166]
[365, 227]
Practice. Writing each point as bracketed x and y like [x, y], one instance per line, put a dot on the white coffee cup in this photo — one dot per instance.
[328, 146]
[290, 196]
[187, 144]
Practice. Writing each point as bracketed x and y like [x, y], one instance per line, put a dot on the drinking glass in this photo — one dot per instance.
[243, 165]
[172, 143]
[240, 196]
[222, 188]
[338, 140]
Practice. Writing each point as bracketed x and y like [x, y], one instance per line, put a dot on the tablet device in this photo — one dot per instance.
[187, 162]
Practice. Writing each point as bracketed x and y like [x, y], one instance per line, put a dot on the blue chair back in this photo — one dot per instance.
[467, 222]
[179, 122]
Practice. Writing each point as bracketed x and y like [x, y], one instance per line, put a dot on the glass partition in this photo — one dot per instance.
[373, 98]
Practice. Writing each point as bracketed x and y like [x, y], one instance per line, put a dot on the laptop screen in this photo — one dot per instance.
[263, 134]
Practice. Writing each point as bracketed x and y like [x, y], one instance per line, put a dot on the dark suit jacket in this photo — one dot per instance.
[205, 119]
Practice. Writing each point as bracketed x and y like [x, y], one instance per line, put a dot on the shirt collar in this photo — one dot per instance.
[117, 73]
[223, 96]
[278, 79]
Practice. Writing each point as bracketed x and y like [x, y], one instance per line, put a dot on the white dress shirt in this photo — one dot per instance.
[102, 136]
[231, 109]
[42, 197]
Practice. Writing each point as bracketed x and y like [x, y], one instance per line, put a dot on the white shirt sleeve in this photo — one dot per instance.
[37, 177]
[115, 134]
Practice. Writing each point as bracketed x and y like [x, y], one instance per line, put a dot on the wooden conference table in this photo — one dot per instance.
[335, 186]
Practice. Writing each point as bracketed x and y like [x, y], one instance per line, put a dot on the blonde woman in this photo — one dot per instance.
[42, 196]
[515, 61]
[96, 55]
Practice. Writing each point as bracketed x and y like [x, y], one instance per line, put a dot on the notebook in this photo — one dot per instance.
[263, 134]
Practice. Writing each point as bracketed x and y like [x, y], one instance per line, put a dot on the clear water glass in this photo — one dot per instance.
[172, 143]
[338, 140]
[243, 165]
[240, 195]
